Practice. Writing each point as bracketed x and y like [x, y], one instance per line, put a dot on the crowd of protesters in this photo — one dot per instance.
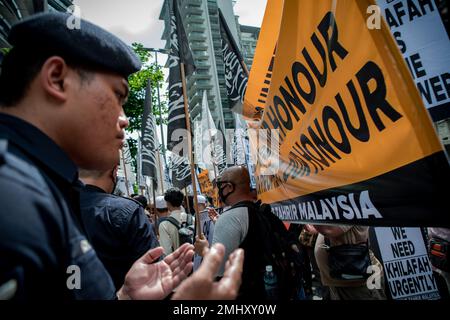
[58, 173]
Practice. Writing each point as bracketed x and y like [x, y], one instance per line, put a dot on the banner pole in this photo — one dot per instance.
[191, 156]
[244, 66]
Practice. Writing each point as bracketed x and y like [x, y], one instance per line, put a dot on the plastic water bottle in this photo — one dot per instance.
[270, 284]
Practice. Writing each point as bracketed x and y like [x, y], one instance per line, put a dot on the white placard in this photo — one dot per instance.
[407, 267]
[421, 36]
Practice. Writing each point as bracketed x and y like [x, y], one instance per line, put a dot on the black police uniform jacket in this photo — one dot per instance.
[43, 251]
[117, 228]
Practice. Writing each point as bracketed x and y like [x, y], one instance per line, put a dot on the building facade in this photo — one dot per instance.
[249, 37]
[12, 11]
[201, 22]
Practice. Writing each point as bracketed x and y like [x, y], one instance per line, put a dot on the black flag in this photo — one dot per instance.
[236, 78]
[149, 143]
[179, 53]
[180, 171]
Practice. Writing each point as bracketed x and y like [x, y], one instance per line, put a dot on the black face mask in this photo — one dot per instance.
[223, 197]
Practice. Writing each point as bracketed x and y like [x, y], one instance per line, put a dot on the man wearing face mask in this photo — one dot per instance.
[117, 227]
[232, 225]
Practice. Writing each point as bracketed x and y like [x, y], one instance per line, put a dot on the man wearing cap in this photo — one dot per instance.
[206, 225]
[117, 227]
[161, 207]
[202, 202]
[61, 97]
[161, 210]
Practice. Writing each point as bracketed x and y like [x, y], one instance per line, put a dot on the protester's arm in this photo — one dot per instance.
[213, 215]
[148, 280]
[200, 245]
[327, 231]
[201, 285]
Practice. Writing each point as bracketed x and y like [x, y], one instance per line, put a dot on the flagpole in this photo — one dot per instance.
[160, 171]
[188, 205]
[154, 193]
[191, 157]
[165, 51]
[160, 120]
[244, 66]
[125, 173]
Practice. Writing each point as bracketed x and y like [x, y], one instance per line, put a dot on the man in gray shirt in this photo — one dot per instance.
[232, 226]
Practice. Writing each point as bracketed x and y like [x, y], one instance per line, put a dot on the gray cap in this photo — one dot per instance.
[89, 45]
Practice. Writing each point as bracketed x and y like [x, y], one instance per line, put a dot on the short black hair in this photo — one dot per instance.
[174, 196]
[21, 66]
[141, 199]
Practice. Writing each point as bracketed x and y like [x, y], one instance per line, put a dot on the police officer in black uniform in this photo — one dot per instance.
[117, 227]
[61, 96]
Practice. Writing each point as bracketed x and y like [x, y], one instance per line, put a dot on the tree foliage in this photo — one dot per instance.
[134, 108]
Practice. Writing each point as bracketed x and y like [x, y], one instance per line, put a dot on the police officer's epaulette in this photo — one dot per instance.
[20, 171]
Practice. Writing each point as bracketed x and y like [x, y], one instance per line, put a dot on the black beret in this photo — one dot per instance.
[88, 45]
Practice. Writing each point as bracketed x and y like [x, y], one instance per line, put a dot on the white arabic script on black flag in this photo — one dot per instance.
[148, 139]
[236, 78]
[179, 52]
[180, 171]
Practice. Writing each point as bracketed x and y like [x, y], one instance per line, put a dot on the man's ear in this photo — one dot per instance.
[54, 78]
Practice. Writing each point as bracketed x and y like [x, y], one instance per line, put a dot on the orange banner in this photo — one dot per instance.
[352, 127]
[262, 67]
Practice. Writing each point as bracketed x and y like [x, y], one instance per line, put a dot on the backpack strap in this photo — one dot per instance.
[172, 220]
[248, 204]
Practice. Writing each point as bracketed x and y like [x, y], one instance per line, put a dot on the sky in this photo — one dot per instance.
[138, 20]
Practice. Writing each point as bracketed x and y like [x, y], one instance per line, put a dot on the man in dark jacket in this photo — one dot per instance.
[117, 227]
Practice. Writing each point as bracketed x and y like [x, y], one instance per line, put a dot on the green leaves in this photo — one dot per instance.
[134, 108]
[137, 82]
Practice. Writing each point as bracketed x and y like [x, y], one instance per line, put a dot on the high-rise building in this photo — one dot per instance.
[201, 22]
[12, 11]
[249, 37]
